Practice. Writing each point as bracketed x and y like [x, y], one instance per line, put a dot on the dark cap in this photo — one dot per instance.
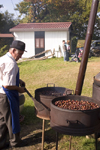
[18, 45]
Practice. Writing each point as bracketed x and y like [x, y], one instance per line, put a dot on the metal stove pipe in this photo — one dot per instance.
[87, 44]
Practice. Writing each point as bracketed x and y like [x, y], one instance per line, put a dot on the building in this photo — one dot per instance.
[40, 37]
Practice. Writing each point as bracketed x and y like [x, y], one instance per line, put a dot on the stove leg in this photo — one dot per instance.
[70, 143]
[56, 140]
[96, 141]
[43, 128]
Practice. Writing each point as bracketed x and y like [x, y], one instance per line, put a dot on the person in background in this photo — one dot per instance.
[68, 50]
[9, 97]
[64, 49]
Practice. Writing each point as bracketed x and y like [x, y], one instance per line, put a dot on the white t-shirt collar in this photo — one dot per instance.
[9, 55]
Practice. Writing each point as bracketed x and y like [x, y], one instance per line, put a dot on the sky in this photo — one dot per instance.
[9, 5]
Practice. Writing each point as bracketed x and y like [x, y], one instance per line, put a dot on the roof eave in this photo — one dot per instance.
[6, 35]
[38, 29]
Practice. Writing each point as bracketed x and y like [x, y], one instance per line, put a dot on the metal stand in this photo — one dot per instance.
[95, 141]
[43, 129]
[70, 143]
[56, 140]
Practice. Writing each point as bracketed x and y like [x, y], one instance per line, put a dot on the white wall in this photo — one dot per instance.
[53, 39]
[28, 38]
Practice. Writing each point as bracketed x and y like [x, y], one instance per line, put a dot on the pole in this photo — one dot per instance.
[87, 44]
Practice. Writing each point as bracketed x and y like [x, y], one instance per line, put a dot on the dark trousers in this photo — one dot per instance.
[67, 56]
[6, 123]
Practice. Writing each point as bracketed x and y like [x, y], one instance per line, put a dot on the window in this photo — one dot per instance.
[39, 43]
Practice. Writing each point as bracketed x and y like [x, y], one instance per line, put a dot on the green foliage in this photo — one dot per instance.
[33, 10]
[3, 42]
[6, 22]
[3, 50]
[75, 11]
[2, 22]
[74, 44]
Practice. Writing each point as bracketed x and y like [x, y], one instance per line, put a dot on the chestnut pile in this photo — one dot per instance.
[76, 105]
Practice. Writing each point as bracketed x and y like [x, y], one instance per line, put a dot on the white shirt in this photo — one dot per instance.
[68, 47]
[8, 71]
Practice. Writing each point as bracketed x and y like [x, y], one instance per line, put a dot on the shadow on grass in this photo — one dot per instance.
[49, 137]
[31, 128]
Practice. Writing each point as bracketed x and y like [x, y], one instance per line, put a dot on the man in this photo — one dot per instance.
[77, 54]
[64, 49]
[9, 97]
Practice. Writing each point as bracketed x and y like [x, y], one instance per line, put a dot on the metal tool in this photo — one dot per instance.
[38, 105]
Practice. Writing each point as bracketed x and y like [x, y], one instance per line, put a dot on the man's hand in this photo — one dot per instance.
[21, 89]
[22, 83]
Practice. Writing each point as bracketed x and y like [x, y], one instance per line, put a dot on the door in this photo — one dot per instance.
[39, 43]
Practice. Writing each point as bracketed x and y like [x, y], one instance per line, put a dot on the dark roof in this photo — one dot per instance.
[41, 26]
[6, 35]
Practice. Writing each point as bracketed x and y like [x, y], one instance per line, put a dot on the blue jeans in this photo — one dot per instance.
[64, 55]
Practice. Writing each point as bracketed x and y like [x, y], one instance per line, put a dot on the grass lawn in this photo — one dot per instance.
[38, 73]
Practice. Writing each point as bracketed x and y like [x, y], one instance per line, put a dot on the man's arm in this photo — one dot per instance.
[19, 89]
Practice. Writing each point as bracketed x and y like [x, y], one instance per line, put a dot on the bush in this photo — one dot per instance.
[3, 50]
[73, 44]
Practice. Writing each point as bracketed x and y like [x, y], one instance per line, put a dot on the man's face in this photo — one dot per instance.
[18, 54]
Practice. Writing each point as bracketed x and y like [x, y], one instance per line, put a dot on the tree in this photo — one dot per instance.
[75, 11]
[31, 10]
[2, 22]
[6, 22]
[1, 6]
